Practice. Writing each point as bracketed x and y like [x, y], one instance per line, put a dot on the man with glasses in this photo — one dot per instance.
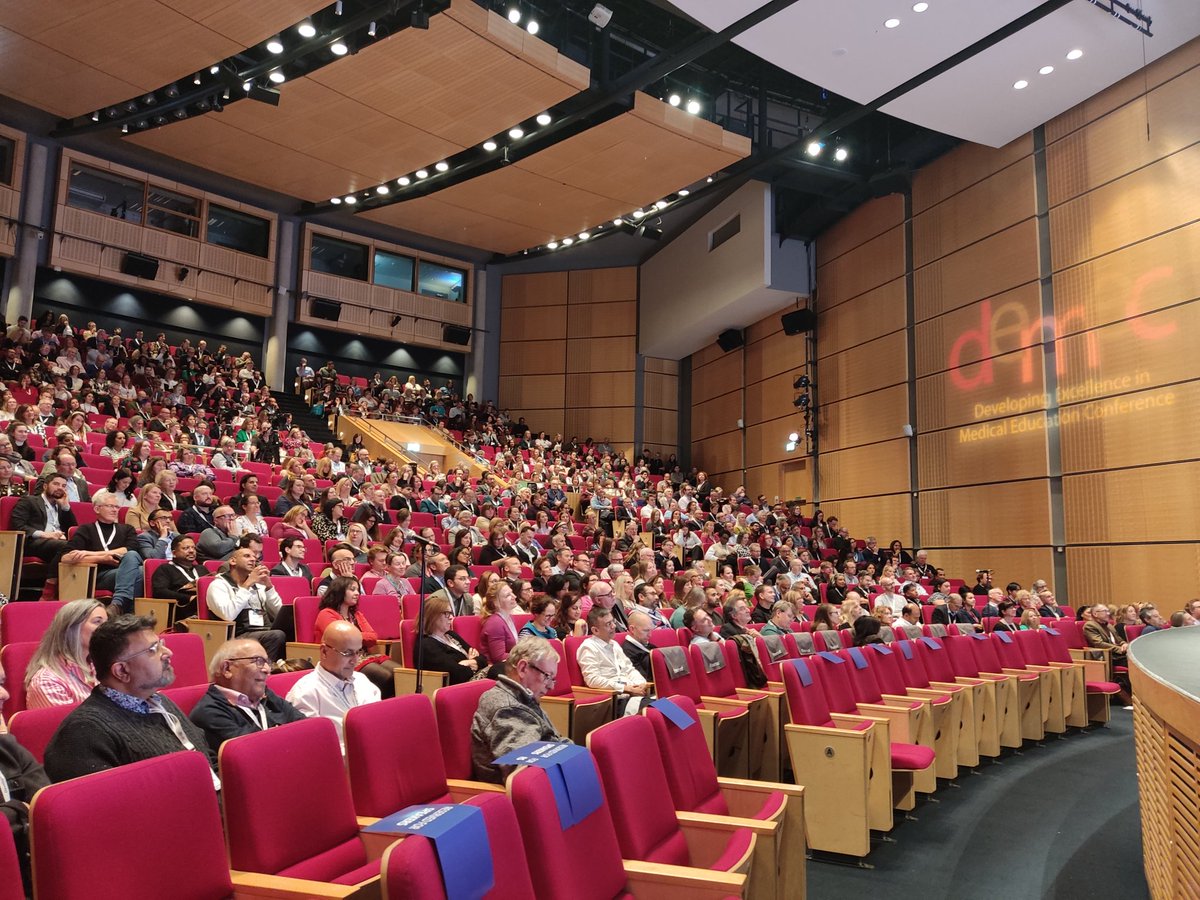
[604, 665]
[125, 719]
[111, 546]
[238, 701]
[244, 595]
[216, 542]
[159, 537]
[508, 716]
[601, 594]
[64, 463]
[333, 688]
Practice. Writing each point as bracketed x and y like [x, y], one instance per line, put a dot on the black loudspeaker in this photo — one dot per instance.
[798, 321]
[730, 340]
[330, 310]
[140, 266]
[456, 334]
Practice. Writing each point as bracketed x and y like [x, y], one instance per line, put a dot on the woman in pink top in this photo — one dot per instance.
[498, 631]
[60, 672]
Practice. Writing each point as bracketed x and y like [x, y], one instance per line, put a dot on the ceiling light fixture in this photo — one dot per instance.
[246, 85]
[95, 117]
[339, 48]
[196, 78]
[584, 235]
[382, 190]
[278, 77]
[532, 26]
[443, 166]
[693, 107]
[841, 154]
[351, 199]
[661, 204]
[1045, 70]
[489, 146]
[553, 245]
[544, 118]
[1020, 85]
[892, 23]
[124, 129]
[618, 222]
[567, 242]
[371, 29]
[683, 192]
[404, 181]
[920, 7]
[306, 29]
[336, 201]
[814, 148]
[337, 8]
[1075, 54]
[674, 99]
[422, 173]
[637, 213]
[514, 15]
[516, 133]
[275, 45]
[214, 70]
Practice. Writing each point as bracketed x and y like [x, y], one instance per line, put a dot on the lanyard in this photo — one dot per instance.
[257, 716]
[188, 576]
[106, 542]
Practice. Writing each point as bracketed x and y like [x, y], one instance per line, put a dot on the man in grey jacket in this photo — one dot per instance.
[509, 716]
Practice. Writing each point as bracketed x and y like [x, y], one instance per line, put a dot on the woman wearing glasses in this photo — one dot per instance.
[443, 649]
[340, 604]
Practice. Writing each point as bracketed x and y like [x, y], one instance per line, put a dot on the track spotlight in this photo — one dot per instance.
[275, 45]
[337, 8]
[351, 199]
[172, 92]
[514, 15]
[683, 192]
[693, 107]
[372, 28]
[404, 181]
[339, 48]
[95, 117]
[793, 437]
[489, 146]
[638, 213]
[661, 204]
[584, 235]
[814, 148]
[196, 78]
[443, 166]
[396, 320]
[336, 201]
[180, 113]
[420, 19]
[532, 26]
[543, 119]
[553, 245]
[567, 242]
[841, 154]
[600, 15]
[516, 133]
[674, 99]
[306, 29]
[422, 173]
[124, 129]
[383, 190]
[277, 76]
[797, 402]
[802, 382]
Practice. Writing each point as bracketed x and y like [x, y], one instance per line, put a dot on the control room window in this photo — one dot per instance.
[238, 231]
[106, 193]
[443, 282]
[338, 257]
[393, 270]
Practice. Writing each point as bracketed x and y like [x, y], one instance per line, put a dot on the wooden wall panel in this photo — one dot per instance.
[1103, 220]
[716, 416]
[1118, 574]
[865, 419]
[1015, 513]
[720, 455]
[886, 518]
[603, 285]
[615, 423]
[876, 262]
[532, 323]
[1006, 386]
[592, 320]
[539, 289]
[660, 391]
[959, 456]
[661, 366]
[1020, 564]
[661, 428]
[1149, 504]
[600, 390]
[601, 355]
[532, 392]
[775, 354]
[986, 328]
[988, 206]
[870, 220]
[765, 441]
[787, 481]
[1137, 429]
[1143, 277]
[962, 167]
[772, 399]
[865, 471]
[983, 269]
[532, 357]
[722, 375]
[547, 420]
[865, 369]
[871, 315]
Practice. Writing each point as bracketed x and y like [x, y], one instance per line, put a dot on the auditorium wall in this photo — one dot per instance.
[1054, 285]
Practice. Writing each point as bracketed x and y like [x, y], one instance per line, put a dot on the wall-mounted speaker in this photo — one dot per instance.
[330, 310]
[731, 339]
[139, 266]
[456, 334]
[798, 321]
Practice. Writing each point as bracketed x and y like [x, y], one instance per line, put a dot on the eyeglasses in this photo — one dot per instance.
[347, 654]
[259, 662]
[549, 678]
[154, 649]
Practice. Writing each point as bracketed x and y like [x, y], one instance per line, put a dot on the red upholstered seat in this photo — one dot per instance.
[685, 683]
[33, 728]
[14, 660]
[911, 756]
[186, 697]
[26, 621]
[188, 860]
[273, 779]
[10, 868]
[281, 683]
[770, 667]
[187, 658]
[411, 870]
[454, 707]
[304, 610]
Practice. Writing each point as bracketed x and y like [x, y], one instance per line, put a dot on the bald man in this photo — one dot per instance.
[334, 687]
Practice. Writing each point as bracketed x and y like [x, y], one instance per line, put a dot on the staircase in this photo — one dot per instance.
[316, 427]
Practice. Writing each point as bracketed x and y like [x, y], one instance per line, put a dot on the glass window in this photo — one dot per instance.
[173, 212]
[393, 270]
[105, 193]
[339, 257]
[8, 151]
[443, 282]
[238, 231]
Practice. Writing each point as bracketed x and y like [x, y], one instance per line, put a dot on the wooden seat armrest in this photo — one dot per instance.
[753, 694]
[905, 700]
[458, 787]
[599, 692]
[256, 884]
[826, 733]
[724, 704]
[850, 720]
[761, 787]
[659, 881]
[929, 694]
[1019, 673]
[765, 827]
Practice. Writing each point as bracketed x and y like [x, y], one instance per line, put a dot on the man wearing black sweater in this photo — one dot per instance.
[238, 701]
[125, 719]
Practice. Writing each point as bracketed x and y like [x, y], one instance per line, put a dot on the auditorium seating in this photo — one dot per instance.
[14, 660]
[33, 728]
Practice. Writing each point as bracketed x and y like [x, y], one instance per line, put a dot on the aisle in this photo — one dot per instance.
[1059, 822]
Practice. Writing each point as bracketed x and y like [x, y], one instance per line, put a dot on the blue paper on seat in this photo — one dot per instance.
[979, 636]
[882, 649]
[572, 774]
[460, 840]
[1004, 636]
[905, 648]
[673, 713]
[1049, 630]
[856, 654]
[831, 657]
[931, 643]
[802, 670]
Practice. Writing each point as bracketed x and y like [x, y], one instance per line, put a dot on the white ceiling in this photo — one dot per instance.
[845, 48]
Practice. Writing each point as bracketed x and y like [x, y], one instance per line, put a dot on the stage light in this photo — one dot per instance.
[516, 133]
[840, 154]
[214, 70]
[419, 19]
[489, 146]
[683, 192]
[674, 99]
[814, 148]
[1045, 70]
[172, 92]
[637, 213]
[661, 204]
[693, 107]
[708, 180]
[338, 48]
[514, 15]
[1075, 54]
[567, 242]
[544, 119]
[1020, 85]
[275, 45]
[95, 117]
[920, 7]
[600, 15]
[336, 201]
[618, 222]
[790, 446]
[306, 28]
[278, 77]
[124, 129]
[382, 190]
[371, 29]
[337, 8]
[553, 245]
[404, 181]
[443, 166]
[892, 23]
[793, 437]
[532, 27]
[196, 78]
[422, 173]
[584, 235]
[351, 199]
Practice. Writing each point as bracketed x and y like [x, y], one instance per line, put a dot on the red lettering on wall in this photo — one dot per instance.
[981, 339]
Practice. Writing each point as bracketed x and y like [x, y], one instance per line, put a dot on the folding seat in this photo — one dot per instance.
[394, 758]
[404, 653]
[1029, 687]
[275, 778]
[806, 643]
[714, 665]
[556, 870]
[844, 764]
[725, 722]
[1133, 631]
[14, 661]
[214, 631]
[187, 658]
[774, 650]
[454, 706]
[1050, 681]
[281, 682]
[576, 711]
[470, 630]
[70, 864]
[650, 829]
[666, 637]
[304, 613]
[830, 640]
[25, 622]
[903, 723]
[992, 699]
[411, 870]
[942, 709]
[289, 587]
[1071, 691]
[33, 728]
[695, 787]
[1097, 689]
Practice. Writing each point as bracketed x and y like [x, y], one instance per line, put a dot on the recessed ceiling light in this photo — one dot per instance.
[514, 15]
[422, 173]
[543, 119]
[1045, 70]
[337, 48]
[618, 222]
[813, 148]
[404, 181]
[892, 23]
[637, 213]
[567, 242]
[584, 235]
[275, 45]
[532, 27]
[841, 154]
[278, 77]
[246, 85]
[516, 133]
[1020, 85]
[351, 199]
[336, 201]
[693, 107]
[489, 146]
[214, 70]
[683, 192]
[1075, 54]
[442, 166]
[307, 29]
[674, 99]
[553, 245]
[920, 7]
[661, 204]
[382, 190]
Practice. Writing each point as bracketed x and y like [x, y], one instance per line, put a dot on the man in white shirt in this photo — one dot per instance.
[889, 596]
[604, 664]
[245, 597]
[333, 687]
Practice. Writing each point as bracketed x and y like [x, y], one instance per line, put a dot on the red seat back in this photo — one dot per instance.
[986, 657]
[10, 868]
[806, 697]
[14, 660]
[932, 653]
[187, 658]
[33, 728]
[692, 776]
[1032, 648]
[470, 630]
[1056, 644]
[304, 610]
[860, 668]
[23, 622]
[186, 697]
[1007, 649]
[289, 587]
[383, 612]
[771, 667]
[455, 708]
[962, 659]
[666, 637]
[886, 667]
[281, 683]
[682, 683]
[720, 681]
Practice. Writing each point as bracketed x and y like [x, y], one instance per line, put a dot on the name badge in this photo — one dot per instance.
[256, 618]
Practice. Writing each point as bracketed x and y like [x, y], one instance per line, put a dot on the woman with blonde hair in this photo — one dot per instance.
[138, 515]
[1030, 620]
[61, 672]
[498, 631]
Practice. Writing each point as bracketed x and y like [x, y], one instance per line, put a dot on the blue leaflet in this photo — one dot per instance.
[883, 649]
[460, 841]
[830, 657]
[856, 654]
[1004, 636]
[905, 648]
[802, 670]
[673, 713]
[931, 643]
[571, 772]
[1049, 630]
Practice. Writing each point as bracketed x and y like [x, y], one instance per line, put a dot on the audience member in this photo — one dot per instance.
[238, 701]
[334, 687]
[60, 672]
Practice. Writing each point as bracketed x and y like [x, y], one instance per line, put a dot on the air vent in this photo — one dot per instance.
[725, 232]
